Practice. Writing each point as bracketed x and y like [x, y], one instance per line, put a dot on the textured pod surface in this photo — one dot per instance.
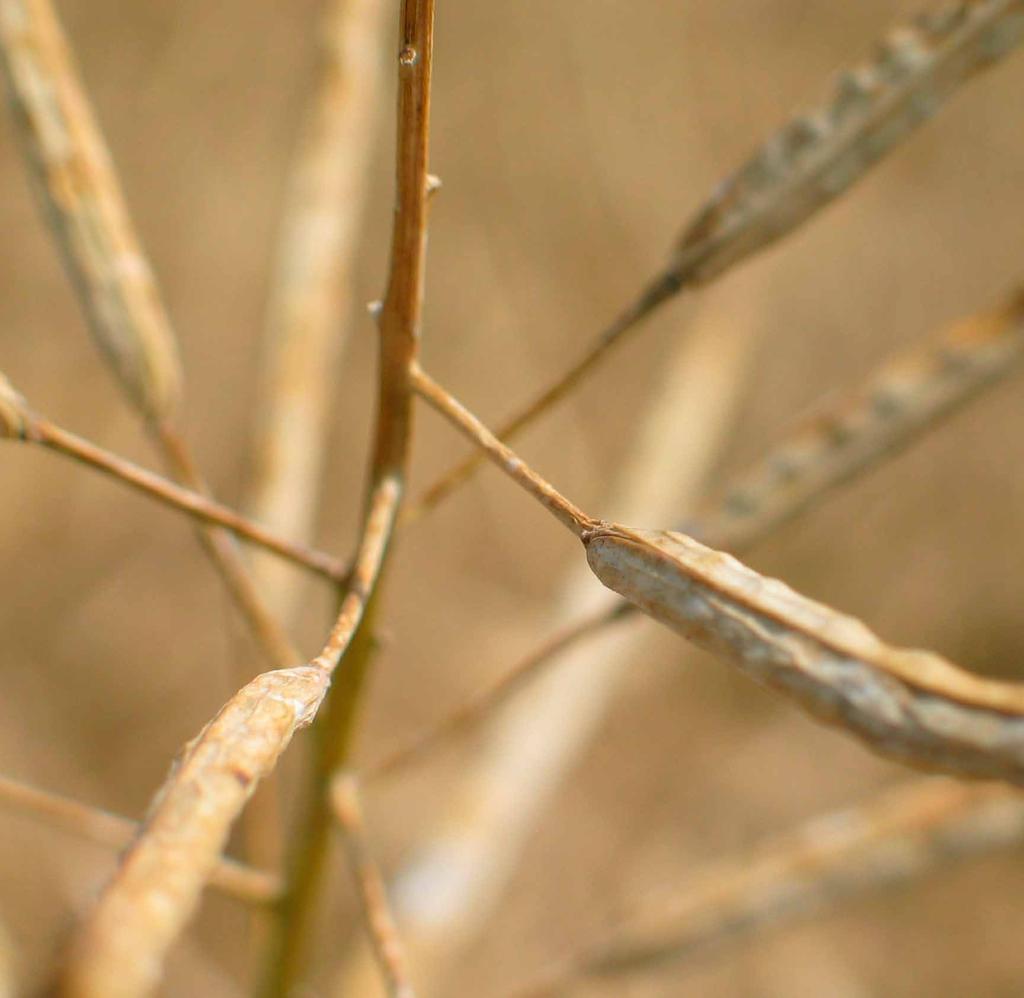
[912, 705]
[119, 950]
[83, 201]
[817, 156]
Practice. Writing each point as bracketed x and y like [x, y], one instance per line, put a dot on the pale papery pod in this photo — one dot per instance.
[81, 194]
[120, 947]
[905, 397]
[911, 705]
[817, 156]
[904, 832]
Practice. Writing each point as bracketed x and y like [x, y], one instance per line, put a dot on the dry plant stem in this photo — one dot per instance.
[308, 315]
[400, 320]
[119, 949]
[80, 193]
[898, 836]
[230, 877]
[474, 430]
[661, 290]
[801, 169]
[913, 706]
[905, 398]
[310, 297]
[380, 924]
[444, 893]
[47, 434]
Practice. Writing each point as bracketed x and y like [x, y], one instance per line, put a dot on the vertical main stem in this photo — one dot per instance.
[349, 648]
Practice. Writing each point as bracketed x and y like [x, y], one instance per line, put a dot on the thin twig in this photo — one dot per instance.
[660, 290]
[897, 837]
[908, 396]
[81, 197]
[503, 456]
[380, 924]
[802, 168]
[20, 423]
[84, 821]
[400, 321]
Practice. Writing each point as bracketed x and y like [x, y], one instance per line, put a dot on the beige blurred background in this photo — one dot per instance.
[574, 138]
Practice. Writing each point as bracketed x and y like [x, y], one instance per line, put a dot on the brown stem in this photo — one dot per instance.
[399, 342]
[184, 500]
[380, 923]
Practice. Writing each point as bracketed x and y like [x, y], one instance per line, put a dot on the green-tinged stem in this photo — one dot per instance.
[335, 734]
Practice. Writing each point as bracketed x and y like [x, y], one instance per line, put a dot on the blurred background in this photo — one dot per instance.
[574, 139]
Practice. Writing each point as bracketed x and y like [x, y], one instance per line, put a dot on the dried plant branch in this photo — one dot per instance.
[900, 835]
[909, 704]
[657, 293]
[446, 891]
[913, 706]
[307, 315]
[120, 947]
[84, 821]
[400, 321]
[802, 168]
[82, 199]
[118, 951]
[906, 397]
[18, 422]
[500, 454]
[380, 924]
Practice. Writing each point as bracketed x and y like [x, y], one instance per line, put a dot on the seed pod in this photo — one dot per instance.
[905, 397]
[816, 157]
[83, 201]
[912, 705]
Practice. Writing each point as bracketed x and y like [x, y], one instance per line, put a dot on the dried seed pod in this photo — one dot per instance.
[83, 201]
[906, 396]
[816, 157]
[912, 705]
[120, 948]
